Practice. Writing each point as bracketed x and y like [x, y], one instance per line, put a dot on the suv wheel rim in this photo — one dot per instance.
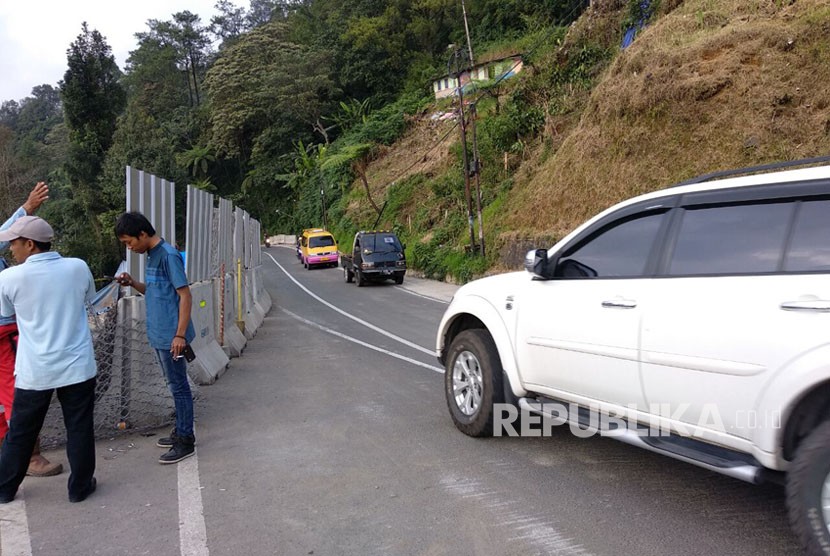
[825, 502]
[467, 383]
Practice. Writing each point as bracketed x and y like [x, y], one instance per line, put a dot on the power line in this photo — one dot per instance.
[581, 5]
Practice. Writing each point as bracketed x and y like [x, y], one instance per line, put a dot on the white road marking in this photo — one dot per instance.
[410, 292]
[14, 528]
[192, 530]
[347, 315]
[537, 530]
[361, 343]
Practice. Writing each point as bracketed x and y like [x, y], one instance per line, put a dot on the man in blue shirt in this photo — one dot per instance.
[39, 466]
[169, 329]
[48, 294]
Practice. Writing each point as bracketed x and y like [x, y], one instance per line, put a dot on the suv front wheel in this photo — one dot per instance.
[473, 382]
[808, 492]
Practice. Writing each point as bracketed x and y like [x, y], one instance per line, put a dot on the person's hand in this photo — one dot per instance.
[36, 197]
[176, 346]
[124, 279]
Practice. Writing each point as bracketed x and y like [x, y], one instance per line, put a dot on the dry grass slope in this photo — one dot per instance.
[709, 86]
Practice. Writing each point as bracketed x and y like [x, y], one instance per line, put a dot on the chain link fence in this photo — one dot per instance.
[131, 393]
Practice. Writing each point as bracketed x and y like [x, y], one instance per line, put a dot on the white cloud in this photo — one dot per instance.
[35, 34]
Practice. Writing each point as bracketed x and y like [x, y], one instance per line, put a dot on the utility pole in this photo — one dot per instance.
[467, 31]
[477, 172]
[323, 204]
[456, 59]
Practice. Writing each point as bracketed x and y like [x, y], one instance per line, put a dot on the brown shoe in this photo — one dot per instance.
[39, 466]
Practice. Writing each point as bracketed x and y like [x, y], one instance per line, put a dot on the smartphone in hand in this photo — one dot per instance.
[188, 353]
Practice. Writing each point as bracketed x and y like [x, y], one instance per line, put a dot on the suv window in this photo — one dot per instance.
[810, 244]
[736, 239]
[619, 250]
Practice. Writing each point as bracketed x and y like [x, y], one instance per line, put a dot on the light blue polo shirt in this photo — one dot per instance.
[49, 294]
[163, 276]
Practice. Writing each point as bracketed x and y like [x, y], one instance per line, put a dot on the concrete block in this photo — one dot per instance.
[235, 340]
[210, 361]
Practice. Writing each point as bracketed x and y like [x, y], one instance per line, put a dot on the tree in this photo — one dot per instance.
[9, 112]
[14, 176]
[153, 78]
[39, 113]
[263, 12]
[194, 44]
[267, 92]
[190, 41]
[374, 42]
[229, 24]
[358, 157]
[92, 100]
[196, 159]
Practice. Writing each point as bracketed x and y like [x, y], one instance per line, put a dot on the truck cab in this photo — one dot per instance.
[376, 255]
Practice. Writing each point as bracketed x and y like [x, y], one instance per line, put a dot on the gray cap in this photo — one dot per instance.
[30, 227]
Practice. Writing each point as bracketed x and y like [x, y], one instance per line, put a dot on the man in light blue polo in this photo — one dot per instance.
[39, 466]
[48, 294]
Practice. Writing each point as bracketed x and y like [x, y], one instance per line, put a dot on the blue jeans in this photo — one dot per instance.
[175, 373]
[28, 412]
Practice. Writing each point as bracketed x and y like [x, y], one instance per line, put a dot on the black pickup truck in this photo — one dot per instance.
[376, 255]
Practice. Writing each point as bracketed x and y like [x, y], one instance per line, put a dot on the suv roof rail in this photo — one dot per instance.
[754, 169]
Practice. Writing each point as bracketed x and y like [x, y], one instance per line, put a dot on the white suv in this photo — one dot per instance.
[693, 321]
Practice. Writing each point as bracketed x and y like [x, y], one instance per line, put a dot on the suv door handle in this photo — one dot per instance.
[816, 306]
[619, 303]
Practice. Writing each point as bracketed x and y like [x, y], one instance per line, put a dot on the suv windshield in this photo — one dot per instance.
[320, 241]
[381, 243]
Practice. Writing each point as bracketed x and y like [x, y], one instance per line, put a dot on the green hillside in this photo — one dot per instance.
[321, 112]
[707, 85]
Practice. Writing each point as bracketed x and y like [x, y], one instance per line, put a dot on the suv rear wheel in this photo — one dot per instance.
[808, 492]
[473, 382]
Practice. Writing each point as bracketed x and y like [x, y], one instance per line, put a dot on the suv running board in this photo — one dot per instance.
[708, 456]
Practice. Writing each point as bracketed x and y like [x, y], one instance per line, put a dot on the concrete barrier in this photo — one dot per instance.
[232, 339]
[252, 314]
[261, 297]
[282, 239]
[211, 361]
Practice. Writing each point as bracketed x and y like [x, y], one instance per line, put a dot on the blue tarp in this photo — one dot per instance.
[631, 32]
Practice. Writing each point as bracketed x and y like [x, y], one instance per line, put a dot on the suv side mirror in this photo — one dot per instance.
[536, 263]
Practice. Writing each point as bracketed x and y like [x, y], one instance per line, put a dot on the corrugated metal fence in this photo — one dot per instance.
[223, 263]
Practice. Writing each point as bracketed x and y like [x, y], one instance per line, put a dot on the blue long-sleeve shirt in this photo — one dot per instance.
[3, 246]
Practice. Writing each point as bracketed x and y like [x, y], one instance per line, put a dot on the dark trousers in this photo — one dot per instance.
[28, 412]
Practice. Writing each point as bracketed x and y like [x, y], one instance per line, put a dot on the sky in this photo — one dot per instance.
[35, 34]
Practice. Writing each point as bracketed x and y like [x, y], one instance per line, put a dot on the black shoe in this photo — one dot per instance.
[5, 499]
[167, 441]
[182, 449]
[93, 484]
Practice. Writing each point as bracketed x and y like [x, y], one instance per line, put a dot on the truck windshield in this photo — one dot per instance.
[320, 241]
[381, 243]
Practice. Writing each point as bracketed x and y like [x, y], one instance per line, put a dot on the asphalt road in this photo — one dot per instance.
[315, 442]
